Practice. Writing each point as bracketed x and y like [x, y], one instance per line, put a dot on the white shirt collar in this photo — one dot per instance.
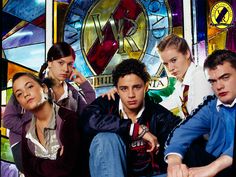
[121, 110]
[187, 77]
[65, 94]
[31, 133]
[219, 103]
[189, 74]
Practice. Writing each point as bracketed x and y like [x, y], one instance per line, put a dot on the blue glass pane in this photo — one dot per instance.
[152, 63]
[28, 35]
[79, 7]
[81, 65]
[158, 28]
[201, 9]
[27, 10]
[28, 56]
[155, 7]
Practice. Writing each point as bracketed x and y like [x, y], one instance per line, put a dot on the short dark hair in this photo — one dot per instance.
[218, 57]
[130, 66]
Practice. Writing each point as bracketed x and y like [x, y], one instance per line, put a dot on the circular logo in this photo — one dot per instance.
[118, 34]
[222, 15]
[103, 33]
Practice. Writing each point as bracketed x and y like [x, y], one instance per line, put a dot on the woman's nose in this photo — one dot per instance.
[26, 93]
[66, 68]
[171, 67]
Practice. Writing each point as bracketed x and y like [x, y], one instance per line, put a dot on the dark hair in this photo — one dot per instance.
[175, 41]
[130, 66]
[48, 82]
[218, 57]
[57, 51]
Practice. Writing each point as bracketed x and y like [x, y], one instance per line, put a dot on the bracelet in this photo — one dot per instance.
[145, 130]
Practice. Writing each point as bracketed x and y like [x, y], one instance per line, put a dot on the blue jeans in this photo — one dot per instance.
[108, 156]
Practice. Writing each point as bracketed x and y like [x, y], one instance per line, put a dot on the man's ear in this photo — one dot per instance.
[146, 86]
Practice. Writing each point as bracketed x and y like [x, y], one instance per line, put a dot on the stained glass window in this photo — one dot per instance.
[96, 38]
[23, 49]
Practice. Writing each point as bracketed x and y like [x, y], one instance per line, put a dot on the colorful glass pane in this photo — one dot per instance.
[27, 10]
[31, 56]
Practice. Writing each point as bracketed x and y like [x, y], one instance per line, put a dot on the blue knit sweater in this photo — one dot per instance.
[207, 119]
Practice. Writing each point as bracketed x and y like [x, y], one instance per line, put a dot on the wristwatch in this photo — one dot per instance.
[145, 129]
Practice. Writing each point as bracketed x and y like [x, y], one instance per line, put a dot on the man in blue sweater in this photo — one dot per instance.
[215, 117]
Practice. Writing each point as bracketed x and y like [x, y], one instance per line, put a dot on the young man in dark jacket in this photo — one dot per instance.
[126, 137]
